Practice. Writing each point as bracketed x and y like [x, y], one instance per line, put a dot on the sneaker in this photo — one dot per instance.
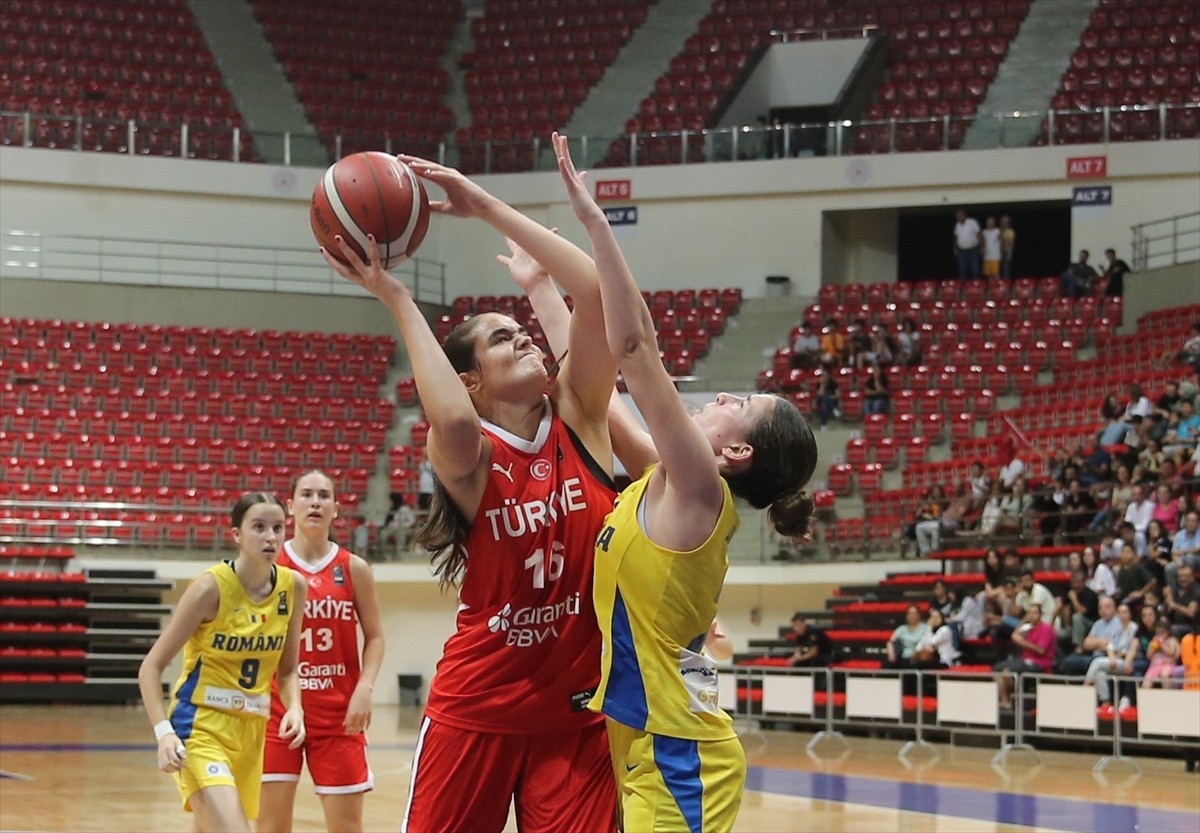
[1124, 703]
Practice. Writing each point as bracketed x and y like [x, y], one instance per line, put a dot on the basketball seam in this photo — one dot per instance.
[339, 210]
[386, 255]
[414, 214]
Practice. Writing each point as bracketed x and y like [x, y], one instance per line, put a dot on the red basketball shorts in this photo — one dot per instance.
[337, 763]
[463, 782]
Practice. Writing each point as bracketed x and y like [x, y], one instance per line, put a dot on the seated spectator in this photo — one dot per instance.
[858, 342]
[1185, 549]
[1014, 469]
[1138, 405]
[1100, 578]
[1168, 402]
[1188, 353]
[1114, 274]
[1036, 641]
[981, 484]
[1077, 611]
[828, 404]
[1158, 552]
[1012, 564]
[881, 350]
[1076, 280]
[904, 639]
[999, 617]
[812, 645]
[943, 599]
[1165, 511]
[876, 396]
[833, 345]
[927, 522]
[993, 573]
[1185, 433]
[1181, 603]
[936, 648]
[1047, 507]
[1030, 591]
[1138, 513]
[360, 536]
[1077, 511]
[1014, 510]
[1119, 495]
[970, 616]
[1095, 644]
[1134, 581]
[806, 348]
[1118, 656]
[399, 532]
[990, 514]
[908, 344]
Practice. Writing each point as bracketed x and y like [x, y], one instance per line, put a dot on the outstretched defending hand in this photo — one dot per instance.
[464, 198]
[370, 276]
[526, 272]
[586, 209]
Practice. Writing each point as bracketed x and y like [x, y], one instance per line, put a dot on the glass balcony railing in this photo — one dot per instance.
[508, 149]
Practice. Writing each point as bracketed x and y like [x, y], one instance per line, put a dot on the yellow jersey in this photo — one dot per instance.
[229, 662]
[654, 606]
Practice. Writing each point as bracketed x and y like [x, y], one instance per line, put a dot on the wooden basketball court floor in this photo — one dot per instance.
[92, 769]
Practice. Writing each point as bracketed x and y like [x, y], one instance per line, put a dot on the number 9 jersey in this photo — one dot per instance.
[229, 662]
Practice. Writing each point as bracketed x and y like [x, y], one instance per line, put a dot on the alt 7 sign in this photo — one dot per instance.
[1087, 167]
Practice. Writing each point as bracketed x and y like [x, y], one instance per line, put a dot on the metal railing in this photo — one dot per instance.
[1166, 242]
[505, 153]
[175, 263]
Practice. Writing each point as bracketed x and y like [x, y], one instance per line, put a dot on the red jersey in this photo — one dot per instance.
[526, 652]
[329, 652]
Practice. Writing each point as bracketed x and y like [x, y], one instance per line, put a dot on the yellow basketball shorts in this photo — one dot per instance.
[222, 748]
[674, 784]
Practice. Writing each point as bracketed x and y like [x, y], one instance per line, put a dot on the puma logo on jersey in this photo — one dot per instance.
[506, 472]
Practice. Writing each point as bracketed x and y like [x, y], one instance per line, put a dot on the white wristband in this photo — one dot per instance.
[163, 728]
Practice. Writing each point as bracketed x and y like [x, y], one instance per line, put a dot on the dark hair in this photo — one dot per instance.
[785, 456]
[1026, 572]
[238, 513]
[445, 529]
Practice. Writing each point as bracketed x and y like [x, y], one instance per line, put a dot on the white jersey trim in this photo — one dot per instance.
[412, 775]
[311, 569]
[520, 444]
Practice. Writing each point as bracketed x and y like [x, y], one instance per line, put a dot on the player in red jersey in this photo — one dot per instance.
[335, 686]
[523, 484]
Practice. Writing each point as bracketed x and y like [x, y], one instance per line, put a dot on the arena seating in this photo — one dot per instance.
[531, 67]
[369, 74]
[82, 69]
[1131, 54]
[143, 435]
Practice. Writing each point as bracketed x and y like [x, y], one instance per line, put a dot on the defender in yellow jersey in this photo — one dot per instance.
[237, 623]
[662, 554]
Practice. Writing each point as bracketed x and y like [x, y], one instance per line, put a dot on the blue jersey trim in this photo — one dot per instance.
[183, 716]
[625, 696]
[679, 762]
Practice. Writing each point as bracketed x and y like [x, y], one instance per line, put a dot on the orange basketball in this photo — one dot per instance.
[371, 193]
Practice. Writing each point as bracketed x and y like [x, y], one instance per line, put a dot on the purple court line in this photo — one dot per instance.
[1081, 816]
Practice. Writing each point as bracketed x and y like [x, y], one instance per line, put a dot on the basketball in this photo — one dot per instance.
[370, 193]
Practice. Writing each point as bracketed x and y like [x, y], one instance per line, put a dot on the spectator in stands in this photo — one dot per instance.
[1095, 644]
[904, 639]
[1008, 245]
[1077, 611]
[876, 395]
[361, 536]
[806, 347]
[1014, 509]
[858, 340]
[1189, 353]
[1076, 280]
[1133, 580]
[833, 345]
[1138, 405]
[882, 349]
[1158, 551]
[1037, 654]
[1031, 591]
[908, 344]
[981, 484]
[1163, 655]
[999, 617]
[399, 532]
[1184, 433]
[1114, 274]
[943, 599]
[1100, 578]
[993, 251]
[1048, 504]
[927, 522]
[1078, 510]
[1139, 513]
[936, 648]
[1185, 549]
[425, 484]
[959, 515]
[1182, 602]
[993, 572]
[828, 404]
[970, 615]
[1014, 467]
[1118, 656]
[812, 645]
[967, 240]
[1119, 495]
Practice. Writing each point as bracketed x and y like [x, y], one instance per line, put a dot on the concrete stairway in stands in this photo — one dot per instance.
[1029, 76]
[632, 75]
[257, 82]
